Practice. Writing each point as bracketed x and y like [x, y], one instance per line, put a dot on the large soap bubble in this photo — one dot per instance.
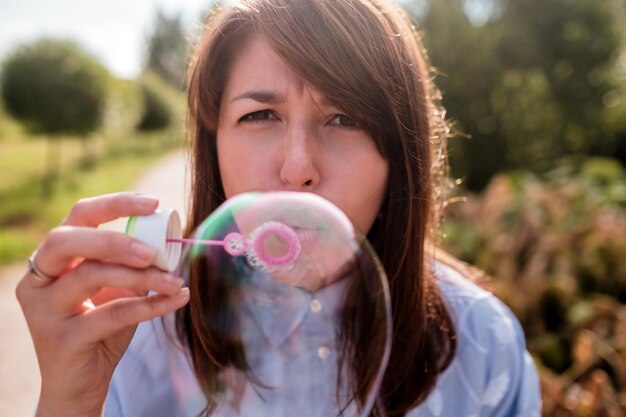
[290, 297]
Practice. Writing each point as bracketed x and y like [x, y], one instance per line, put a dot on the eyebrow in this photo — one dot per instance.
[271, 97]
[262, 96]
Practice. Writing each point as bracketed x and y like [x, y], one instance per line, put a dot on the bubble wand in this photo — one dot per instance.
[162, 231]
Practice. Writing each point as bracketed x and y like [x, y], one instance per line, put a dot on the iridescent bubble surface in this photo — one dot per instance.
[288, 296]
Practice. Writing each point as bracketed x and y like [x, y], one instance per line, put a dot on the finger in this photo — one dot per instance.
[110, 318]
[65, 244]
[92, 212]
[89, 278]
[34, 275]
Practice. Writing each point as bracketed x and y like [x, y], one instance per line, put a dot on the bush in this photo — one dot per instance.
[158, 111]
[124, 108]
[555, 247]
[54, 87]
[566, 228]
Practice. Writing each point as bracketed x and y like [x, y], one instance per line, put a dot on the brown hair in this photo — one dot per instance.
[364, 56]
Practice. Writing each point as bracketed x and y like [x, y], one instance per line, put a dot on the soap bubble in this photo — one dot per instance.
[287, 296]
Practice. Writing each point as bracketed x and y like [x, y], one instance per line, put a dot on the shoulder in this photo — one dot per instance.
[492, 373]
[485, 327]
[480, 317]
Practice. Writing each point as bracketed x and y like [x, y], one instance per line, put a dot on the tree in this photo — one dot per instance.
[55, 88]
[157, 111]
[530, 82]
[167, 49]
[467, 67]
[571, 44]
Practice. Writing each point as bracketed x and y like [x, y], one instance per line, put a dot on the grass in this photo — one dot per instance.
[109, 160]
[25, 158]
[113, 164]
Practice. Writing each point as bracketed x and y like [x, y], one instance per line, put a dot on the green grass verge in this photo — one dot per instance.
[26, 215]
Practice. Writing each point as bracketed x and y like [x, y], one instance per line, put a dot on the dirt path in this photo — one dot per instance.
[19, 375]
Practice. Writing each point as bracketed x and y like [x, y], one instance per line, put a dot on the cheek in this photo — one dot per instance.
[375, 188]
[232, 170]
[242, 166]
[366, 190]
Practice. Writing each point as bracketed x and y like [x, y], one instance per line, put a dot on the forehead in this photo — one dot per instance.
[257, 67]
[257, 64]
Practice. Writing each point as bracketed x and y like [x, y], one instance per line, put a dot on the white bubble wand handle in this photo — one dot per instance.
[154, 230]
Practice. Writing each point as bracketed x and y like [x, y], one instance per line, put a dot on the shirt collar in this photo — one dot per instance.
[280, 308]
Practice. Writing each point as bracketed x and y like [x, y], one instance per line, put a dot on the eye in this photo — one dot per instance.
[258, 116]
[344, 121]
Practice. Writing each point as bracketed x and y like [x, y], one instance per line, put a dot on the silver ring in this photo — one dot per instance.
[35, 271]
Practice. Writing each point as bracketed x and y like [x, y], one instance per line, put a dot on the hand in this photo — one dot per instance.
[82, 321]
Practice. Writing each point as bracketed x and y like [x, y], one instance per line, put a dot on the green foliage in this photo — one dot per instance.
[15, 244]
[572, 44]
[25, 217]
[124, 106]
[93, 114]
[567, 228]
[161, 103]
[9, 127]
[54, 87]
[167, 49]
[157, 115]
[530, 82]
[555, 247]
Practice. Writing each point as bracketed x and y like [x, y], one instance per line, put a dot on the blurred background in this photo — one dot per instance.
[92, 95]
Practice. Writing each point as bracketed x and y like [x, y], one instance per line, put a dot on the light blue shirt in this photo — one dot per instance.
[296, 348]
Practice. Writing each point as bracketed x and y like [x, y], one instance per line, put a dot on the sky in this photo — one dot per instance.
[115, 31]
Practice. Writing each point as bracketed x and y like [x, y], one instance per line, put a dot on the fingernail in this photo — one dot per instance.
[172, 280]
[146, 202]
[143, 252]
[182, 294]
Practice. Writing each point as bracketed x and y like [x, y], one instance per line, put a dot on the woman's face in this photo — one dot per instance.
[276, 133]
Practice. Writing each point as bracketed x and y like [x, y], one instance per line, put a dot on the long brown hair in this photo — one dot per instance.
[366, 57]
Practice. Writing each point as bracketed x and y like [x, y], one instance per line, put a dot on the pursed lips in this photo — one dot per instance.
[307, 236]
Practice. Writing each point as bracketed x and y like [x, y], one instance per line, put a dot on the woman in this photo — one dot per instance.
[332, 97]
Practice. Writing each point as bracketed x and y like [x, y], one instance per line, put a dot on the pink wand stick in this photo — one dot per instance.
[253, 246]
[197, 241]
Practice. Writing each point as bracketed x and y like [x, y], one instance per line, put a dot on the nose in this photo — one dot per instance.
[299, 170]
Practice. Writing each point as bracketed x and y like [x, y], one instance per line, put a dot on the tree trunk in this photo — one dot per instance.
[53, 167]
